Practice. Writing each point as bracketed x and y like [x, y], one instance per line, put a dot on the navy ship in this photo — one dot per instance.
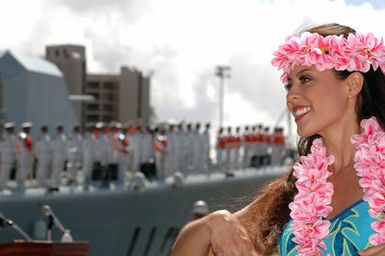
[140, 217]
[133, 220]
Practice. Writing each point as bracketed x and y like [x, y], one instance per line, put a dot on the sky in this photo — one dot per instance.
[180, 43]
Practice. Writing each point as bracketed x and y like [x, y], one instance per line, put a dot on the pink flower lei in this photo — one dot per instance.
[357, 52]
[311, 205]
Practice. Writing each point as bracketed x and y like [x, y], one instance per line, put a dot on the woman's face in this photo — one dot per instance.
[316, 99]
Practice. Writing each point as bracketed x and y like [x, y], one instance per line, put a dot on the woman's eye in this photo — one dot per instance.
[287, 87]
[304, 79]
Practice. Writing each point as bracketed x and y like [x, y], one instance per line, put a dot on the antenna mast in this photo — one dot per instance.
[222, 72]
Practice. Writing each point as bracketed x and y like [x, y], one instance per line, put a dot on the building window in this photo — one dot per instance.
[107, 118]
[110, 96]
[92, 107]
[92, 118]
[108, 107]
[96, 95]
[109, 85]
[93, 85]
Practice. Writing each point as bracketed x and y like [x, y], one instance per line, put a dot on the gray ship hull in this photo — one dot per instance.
[127, 222]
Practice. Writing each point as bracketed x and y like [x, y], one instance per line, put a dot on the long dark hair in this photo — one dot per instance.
[269, 212]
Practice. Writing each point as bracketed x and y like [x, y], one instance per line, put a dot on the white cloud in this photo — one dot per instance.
[183, 41]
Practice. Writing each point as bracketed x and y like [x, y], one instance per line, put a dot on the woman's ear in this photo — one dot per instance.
[355, 82]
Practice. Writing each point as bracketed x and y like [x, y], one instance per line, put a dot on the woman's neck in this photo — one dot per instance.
[338, 143]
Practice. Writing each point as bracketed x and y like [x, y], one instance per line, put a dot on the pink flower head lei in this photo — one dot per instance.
[357, 52]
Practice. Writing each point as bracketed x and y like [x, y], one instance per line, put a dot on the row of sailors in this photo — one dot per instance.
[174, 148]
[188, 150]
[18, 151]
[184, 149]
[255, 146]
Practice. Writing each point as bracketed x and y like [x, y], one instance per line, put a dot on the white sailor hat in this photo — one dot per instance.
[9, 125]
[100, 125]
[200, 207]
[26, 125]
[113, 124]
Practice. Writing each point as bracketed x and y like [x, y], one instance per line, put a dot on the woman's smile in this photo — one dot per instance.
[300, 111]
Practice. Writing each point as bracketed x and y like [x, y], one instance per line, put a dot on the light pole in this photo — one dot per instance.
[222, 72]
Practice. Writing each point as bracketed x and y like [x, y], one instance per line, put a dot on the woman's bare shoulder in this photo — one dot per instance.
[243, 215]
[242, 212]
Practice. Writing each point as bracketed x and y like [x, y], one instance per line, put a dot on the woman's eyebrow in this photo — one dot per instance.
[302, 71]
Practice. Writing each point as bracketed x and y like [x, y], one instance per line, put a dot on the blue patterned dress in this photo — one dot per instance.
[349, 232]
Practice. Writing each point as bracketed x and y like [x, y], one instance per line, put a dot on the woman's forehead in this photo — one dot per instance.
[301, 68]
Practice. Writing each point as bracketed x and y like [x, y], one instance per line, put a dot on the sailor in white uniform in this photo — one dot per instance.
[235, 149]
[102, 144]
[205, 142]
[44, 156]
[102, 153]
[170, 160]
[188, 149]
[247, 146]
[179, 147]
[25, 156]
[137, 149]
[197, 149]
[130, 131]
[228, 149]
[266, 149]
[59, 149]
[75, 142]
[144, 147]
[147, 145]
[88, 149]
[8, 148]
[122, 145]
[161, 149]
[220, 149]
[117, 152]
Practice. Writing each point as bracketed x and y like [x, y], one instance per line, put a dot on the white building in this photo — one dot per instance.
[33, 89]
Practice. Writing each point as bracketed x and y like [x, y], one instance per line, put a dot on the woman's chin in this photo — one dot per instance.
[304, 132]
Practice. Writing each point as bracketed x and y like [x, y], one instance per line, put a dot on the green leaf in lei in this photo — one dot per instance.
[343, 232]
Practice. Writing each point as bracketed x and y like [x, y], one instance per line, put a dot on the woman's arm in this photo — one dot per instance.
[193, 240]
[220, 231]
[378, 250]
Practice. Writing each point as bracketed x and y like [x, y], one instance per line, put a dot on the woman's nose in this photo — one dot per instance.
[292, 95]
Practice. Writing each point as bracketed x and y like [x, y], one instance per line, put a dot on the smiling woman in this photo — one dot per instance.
[332, 201]
[317, 99]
